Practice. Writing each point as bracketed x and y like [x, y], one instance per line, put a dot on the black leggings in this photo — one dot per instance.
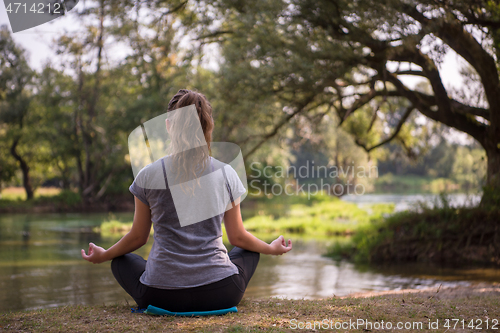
[222, 294]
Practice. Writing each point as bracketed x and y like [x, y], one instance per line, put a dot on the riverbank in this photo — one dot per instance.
[479, 303]
[317, 216]
[53, 200]
[56, 200]
[446, 235]
[415, 183]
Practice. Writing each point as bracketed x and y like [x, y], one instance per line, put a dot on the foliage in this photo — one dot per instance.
[443, 234]
[15, 106]
[64, 197]
[319, 215]
[325, 215]
[461, 164]
[84, 104]
[286, 76]
[60, 200]
[408, 181]
[351, 58]
[317, 148]
[469, 167]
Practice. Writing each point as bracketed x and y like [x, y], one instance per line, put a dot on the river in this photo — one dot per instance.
[41, 266]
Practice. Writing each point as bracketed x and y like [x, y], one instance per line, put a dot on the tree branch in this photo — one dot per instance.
[214, 34]
[453, 119]
[401, 122]
[429, 69]
[466, 46]
[365, 99]
[416, 73]
[276, 128]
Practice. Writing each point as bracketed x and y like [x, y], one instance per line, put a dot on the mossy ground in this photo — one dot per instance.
[478, 302]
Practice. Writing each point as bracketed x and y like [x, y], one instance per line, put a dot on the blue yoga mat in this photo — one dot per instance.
[153, 310]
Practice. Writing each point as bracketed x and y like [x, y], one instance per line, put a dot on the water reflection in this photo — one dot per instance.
[41, 287]
[40, 263]
[304, 273]
[41, 267]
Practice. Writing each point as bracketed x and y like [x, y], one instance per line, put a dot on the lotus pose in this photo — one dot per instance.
[188, 267]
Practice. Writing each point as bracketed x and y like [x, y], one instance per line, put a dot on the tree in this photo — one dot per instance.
[7, 165]
[84, 53]
[108, 97]
[354, 54]
[53, 113]
[15, 99]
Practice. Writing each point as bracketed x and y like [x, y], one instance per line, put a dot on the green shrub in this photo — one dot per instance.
[442, 234]
[322, 215]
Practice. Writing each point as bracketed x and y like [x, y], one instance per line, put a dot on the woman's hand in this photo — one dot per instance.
[240, 237]
[279, 246]
[134, 239]
[96, 254]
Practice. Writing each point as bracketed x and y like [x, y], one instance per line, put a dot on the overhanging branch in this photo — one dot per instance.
[462, 42]
[400, 124]
[299, 109]
[457, 120]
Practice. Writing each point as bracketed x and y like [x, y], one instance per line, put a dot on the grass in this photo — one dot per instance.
[14, 198]
[320, 216]
[114, 228]
[279, 315]
[390, 179]
[325, 216]
[18, 193]
[451, 235]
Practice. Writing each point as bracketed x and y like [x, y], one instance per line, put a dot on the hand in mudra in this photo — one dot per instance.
[279, 246]
[96, 254]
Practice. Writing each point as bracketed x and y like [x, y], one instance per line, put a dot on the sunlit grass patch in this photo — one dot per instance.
[15, 197]
[19, 193]
[114, 228]
[325, 216]
[321, 215]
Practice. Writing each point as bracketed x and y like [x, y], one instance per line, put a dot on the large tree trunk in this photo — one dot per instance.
[25, 169]
[491, 194]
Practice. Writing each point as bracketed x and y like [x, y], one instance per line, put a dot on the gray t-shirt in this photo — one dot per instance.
[188, 256]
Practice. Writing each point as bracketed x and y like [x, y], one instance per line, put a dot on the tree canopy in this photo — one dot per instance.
[285, 68]
[352, 57]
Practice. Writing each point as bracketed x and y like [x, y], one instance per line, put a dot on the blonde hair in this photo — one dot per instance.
[184, 131]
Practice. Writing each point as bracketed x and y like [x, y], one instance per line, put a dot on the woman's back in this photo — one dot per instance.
[190, 255]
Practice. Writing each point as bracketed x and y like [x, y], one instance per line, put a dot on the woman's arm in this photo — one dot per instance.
[240, 237]
[134, 239]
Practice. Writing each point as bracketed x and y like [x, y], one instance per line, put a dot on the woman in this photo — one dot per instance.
[188, 268]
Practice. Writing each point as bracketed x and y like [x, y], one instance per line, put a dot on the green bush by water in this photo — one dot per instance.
[444, 234]
[65, 197]
[322, 215]
[317, 216]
